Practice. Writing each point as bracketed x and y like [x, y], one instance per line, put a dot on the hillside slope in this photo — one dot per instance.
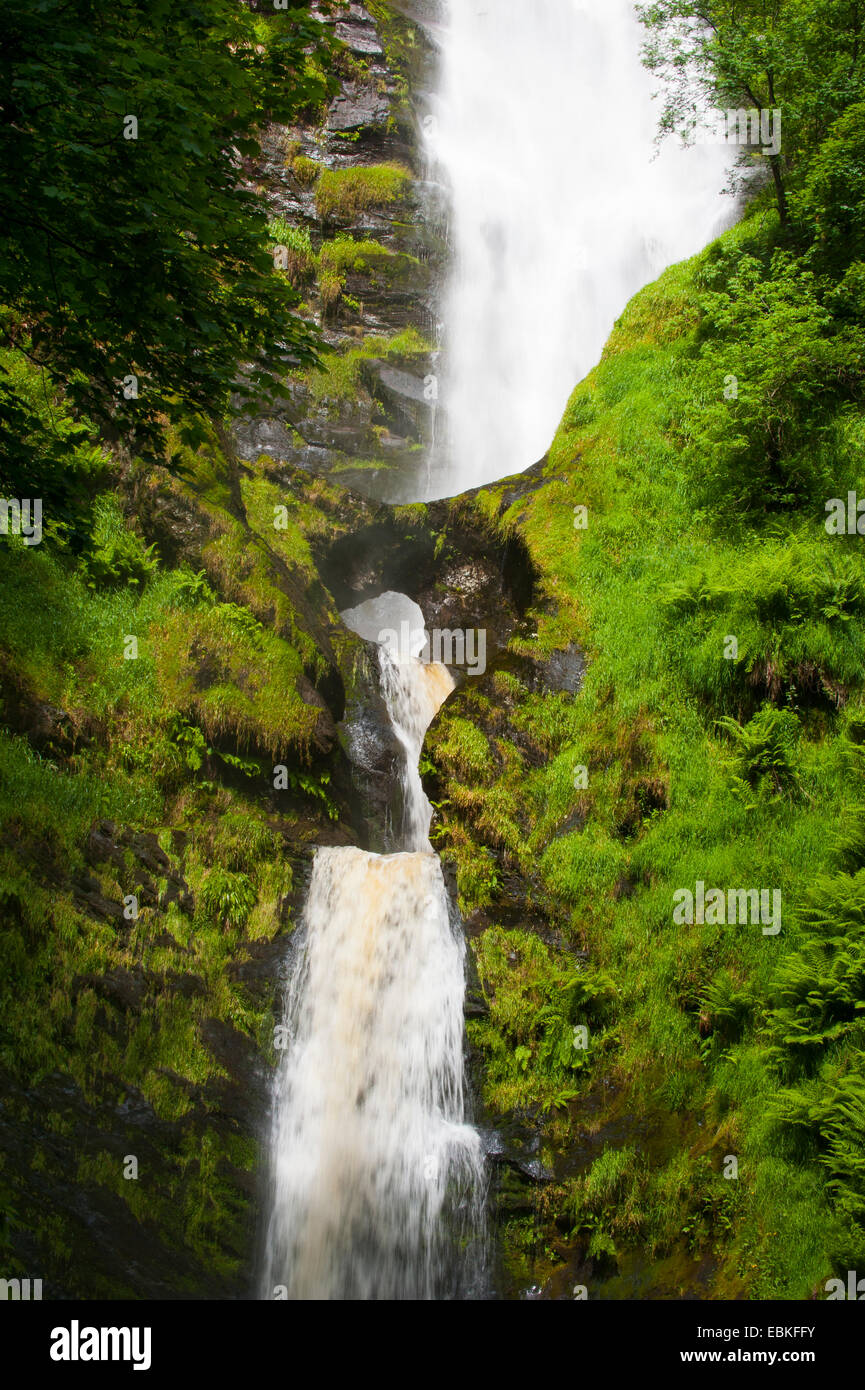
[705, 1135]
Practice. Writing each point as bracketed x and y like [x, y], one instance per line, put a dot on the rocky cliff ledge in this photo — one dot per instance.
[362, 228]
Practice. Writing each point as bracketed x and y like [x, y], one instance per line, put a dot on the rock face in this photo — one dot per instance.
[354, 185]
[373, 753]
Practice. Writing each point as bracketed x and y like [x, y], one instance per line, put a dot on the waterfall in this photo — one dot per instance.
[561, 209]
[376, 1176]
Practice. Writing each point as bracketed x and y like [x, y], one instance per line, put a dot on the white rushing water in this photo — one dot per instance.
[562, 209]
[376, 1174]
[412, 690]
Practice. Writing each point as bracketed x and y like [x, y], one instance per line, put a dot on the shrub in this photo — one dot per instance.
[764, 751]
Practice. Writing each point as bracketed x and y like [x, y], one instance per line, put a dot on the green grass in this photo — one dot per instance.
[700, 767]
[305, 170]
[343, 194]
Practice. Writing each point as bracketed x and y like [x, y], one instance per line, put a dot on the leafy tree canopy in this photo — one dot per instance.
[137, 248]
[805, 58]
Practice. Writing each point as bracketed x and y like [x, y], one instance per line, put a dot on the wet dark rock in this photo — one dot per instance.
[460, 574]
[148, 851]
[169, 943]
[272, 435]
[88, 897]
[107, 844]
[535, 1170]
[129, 989]
[378, 556]
[102, 843]
[51, 728]
[173, 522]
[262, 966]
[247, 1096]
[325, 729]
[475, 1006]
[393, 292]
[574, 822]
[53, 732]
[359, 33]
[189, 986]
[358, 105]
[564, 670]
[401, 394]
[429, 14]
[516, 1145]
[368, 737]
[125, 988]
[374, 755]
[175, 892]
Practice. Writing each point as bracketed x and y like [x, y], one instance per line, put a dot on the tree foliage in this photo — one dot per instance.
[805, 58]
[140, 250]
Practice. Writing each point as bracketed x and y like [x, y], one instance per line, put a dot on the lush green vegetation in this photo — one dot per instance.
[704, 760]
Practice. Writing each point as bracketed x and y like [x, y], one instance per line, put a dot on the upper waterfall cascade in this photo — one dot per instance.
[562, 207]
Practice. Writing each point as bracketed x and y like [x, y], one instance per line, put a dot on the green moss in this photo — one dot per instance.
[338, 378]
[344, 254]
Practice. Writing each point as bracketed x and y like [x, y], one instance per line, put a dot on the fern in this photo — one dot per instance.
[227, 898]
[765, 749]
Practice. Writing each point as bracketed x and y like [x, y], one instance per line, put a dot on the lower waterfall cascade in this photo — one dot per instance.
[375, 1171]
